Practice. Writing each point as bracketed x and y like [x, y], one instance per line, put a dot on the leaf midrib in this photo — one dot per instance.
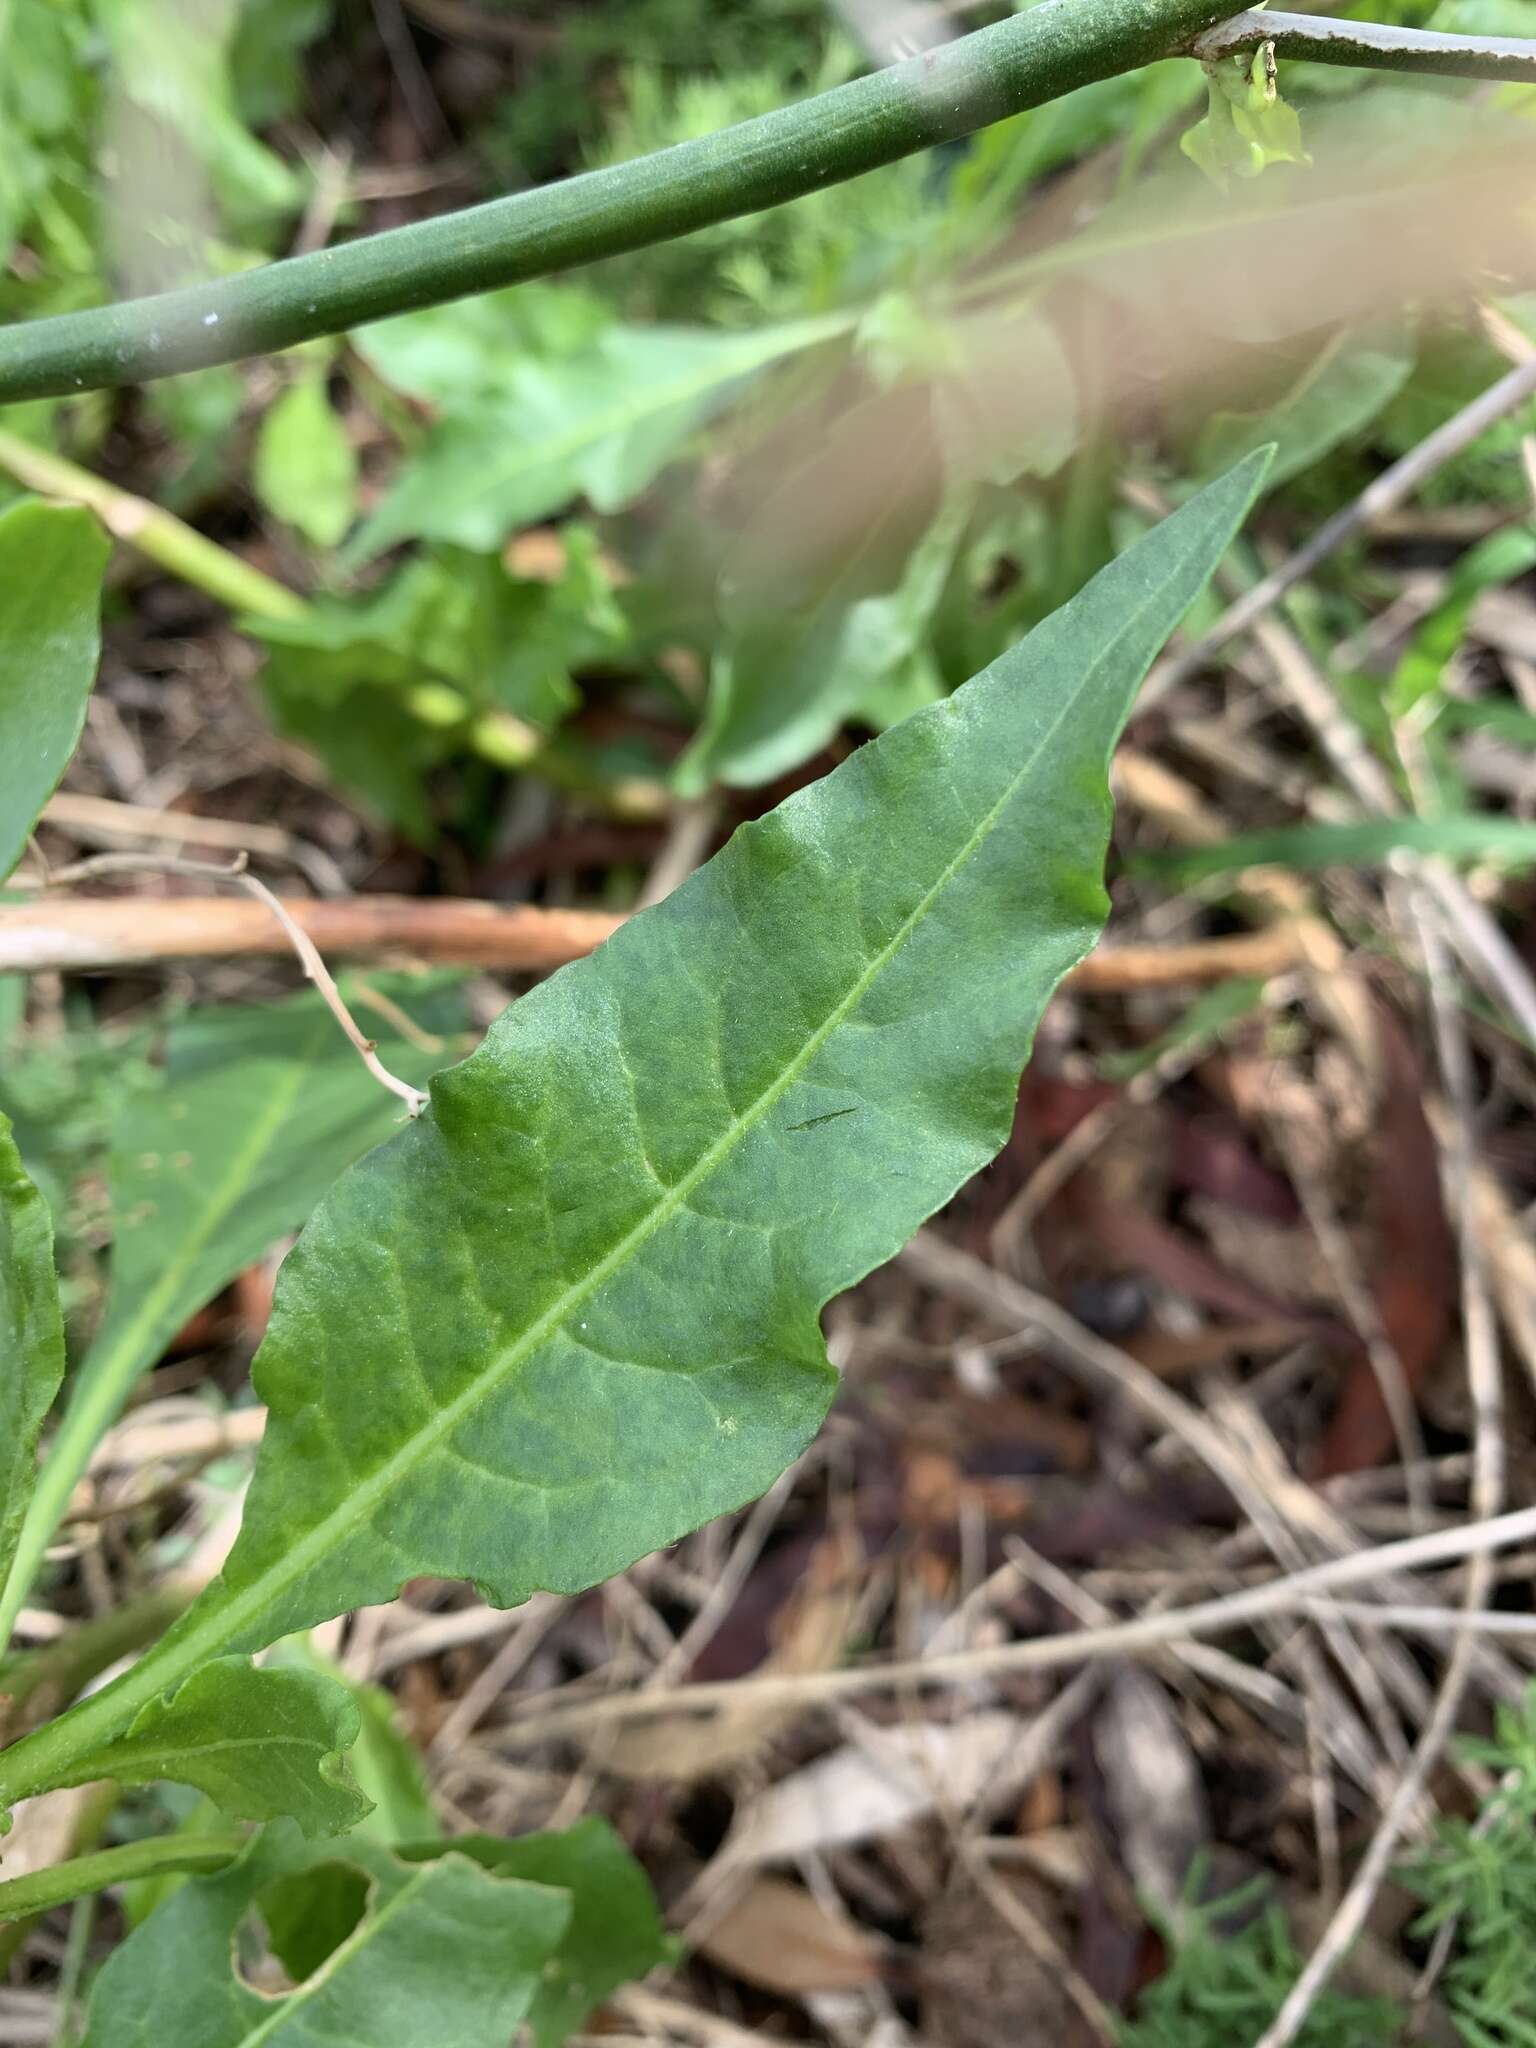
[336, 1961]
[180, 1752]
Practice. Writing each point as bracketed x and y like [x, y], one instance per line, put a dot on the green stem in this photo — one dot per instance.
[77, 1947]
[44, 1889]
[42, 1682]
[93, 1816]
[952, 91]
[1374, 46]
[160, 535]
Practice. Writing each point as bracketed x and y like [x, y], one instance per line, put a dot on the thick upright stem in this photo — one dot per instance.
[948, 92]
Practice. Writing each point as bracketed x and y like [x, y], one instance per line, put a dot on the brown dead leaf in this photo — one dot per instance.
[810, 1635]
[1234, 1278]
[1152, 1786]
[1176, 1354]
[780, 1938]
[1414, 1277]
[893, 1777]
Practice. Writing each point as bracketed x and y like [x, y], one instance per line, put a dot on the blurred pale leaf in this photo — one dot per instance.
[31, 1337]
[304, 467]
[52, 558]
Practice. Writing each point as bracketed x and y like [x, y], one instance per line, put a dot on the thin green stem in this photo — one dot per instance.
[42, 1682]
[160, 535]
[952, 91]
[97, 1806]
[41, 1890]
[1038, 56]
[1374, 46]
[77, 1948]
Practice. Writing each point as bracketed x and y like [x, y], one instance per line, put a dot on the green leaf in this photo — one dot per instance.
[170, 63]
[260, 1743]
[31, 1337]
[258, 1111]
[304, 467]
[1207, 1017]
[1497, 715]
[615, 1932]
[385, 1762]
[445, 1953]
[355, 681]
[266, 57]
[51, 563]
[1459, 835]
[786, 680]
[1343, 388]
[1247, 126]
[600, 424]
[571, 1312]
[452, 355]
[1484, 18]
[1498, 559]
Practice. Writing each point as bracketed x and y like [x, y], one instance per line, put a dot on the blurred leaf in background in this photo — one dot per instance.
[257, 1110]
[52, 560]
[303, 467]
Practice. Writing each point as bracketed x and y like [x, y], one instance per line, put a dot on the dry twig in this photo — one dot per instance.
[1298, 1593]
[302, 944]
[88, 935]
[1481, 1340]
[1384, 494]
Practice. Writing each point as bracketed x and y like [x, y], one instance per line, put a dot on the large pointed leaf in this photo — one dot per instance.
[260, 1743]
[51, 563]
[31, 1337]
[572, 1312]
[445, 1954]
